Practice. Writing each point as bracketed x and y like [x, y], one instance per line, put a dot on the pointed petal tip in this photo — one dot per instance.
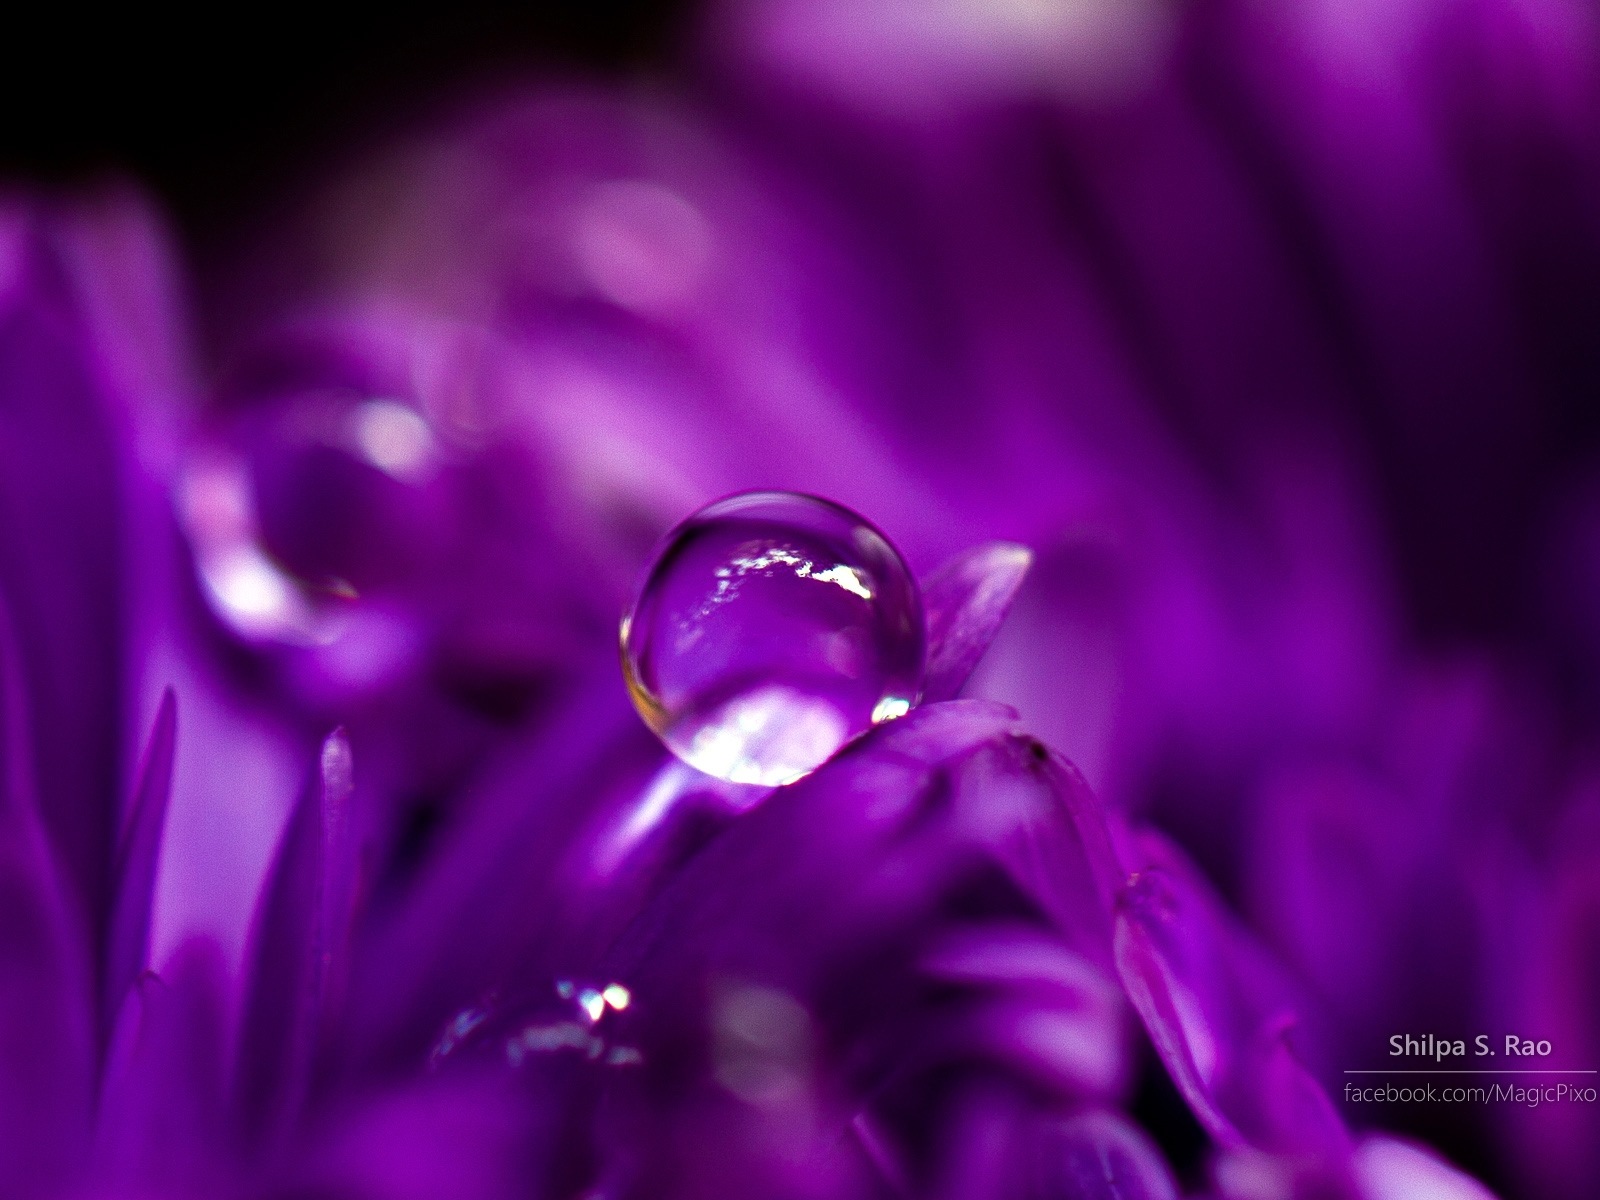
[337, 765]
[966, 601]
[1009, 554]
[138, 858]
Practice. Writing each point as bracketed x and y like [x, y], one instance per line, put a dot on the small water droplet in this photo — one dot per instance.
[772, 628]
[312, 516]
[569, 1019]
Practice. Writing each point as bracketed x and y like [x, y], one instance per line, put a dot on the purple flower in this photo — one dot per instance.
[336, 861]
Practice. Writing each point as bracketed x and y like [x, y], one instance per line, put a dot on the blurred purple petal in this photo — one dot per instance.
[966, 600]
[1390, 1169]
[1099, 1156]
[46, 1019]
[999, 1149]
[1548, 959]
[138, 855]
[922, 902]
[1221, 1014]
[1043, 1009]
[161, 1115]
[509, 889]
[297, 946]
[459, 1139]
[60, 561]
[1034, 811]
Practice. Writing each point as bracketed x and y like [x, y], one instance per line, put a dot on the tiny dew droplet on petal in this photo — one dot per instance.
[771, 629]
[566, 1020]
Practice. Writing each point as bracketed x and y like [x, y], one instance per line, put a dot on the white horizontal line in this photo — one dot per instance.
[1514, 1071]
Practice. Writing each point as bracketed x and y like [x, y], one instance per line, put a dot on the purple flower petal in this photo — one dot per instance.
[1034, 811]
[160, 1120]
[296, 943]
[1390, 1169]
[923, 903]
[1219, 1012]
[965, 601]
[455, 1138]
[1099, 1156]
[59, 556]
[1044, 1010]
[995, 1147]
[138, 855]
[511, 885]
[808, 841]
[46, 1026]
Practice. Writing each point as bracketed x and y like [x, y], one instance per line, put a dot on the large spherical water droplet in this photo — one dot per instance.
[772, 629]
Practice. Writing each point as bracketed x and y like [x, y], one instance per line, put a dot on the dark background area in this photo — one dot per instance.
[222, 114]
[216, 111]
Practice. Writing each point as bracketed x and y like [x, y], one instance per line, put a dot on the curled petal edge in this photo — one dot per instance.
[965, 602]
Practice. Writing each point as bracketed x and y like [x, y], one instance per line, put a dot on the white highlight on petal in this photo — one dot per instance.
[642, 246]
[249, 588]
[394, 438]
[675, 781]
[924, 54]
[1389, 1169]
[259, 600]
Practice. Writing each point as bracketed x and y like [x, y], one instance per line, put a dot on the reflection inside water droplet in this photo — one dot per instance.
[771, 629]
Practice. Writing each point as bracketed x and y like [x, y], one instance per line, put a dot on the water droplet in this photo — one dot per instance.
[771, 629]
[569, 1020]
